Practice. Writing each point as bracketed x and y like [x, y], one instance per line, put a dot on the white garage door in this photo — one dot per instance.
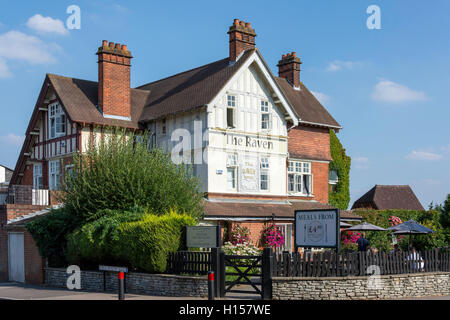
[16, 257]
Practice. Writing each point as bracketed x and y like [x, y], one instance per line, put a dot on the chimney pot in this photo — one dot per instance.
[118, 46]
[111, 44]
[289, 68]
[104, 43]
[242, 38]
[124, 47]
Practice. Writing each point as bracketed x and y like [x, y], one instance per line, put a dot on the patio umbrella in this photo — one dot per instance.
[410, 227]
[345, 224]
[366, 227]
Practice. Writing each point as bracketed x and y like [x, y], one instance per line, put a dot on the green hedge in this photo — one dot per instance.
[382, 240]
[142, 242]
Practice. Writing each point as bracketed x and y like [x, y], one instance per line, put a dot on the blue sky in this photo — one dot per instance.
[388, 88]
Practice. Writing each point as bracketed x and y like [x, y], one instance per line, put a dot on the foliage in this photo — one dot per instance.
[340, 197]
[349, 247]
[49, 233]
[350, 236]
[272, 237]
[121, 171]
[241, 249]
[140, 240]
[382, 240]
[239, 235]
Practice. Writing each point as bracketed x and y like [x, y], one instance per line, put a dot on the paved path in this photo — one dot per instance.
[17, 291]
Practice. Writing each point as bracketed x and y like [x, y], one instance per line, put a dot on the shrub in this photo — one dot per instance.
[122, 171]
[140, 240]
[49, 232]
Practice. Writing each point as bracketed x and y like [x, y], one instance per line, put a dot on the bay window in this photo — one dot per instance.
[300, 178]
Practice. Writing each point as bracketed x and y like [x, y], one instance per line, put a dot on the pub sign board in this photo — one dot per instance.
[203, 236]
[317, 228]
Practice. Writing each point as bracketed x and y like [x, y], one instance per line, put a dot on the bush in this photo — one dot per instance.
[49, 232]
[139, 240]
[122, 171]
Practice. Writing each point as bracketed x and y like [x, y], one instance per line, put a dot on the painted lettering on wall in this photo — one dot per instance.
[249, 142]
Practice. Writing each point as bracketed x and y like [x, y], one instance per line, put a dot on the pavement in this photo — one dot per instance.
[18, 291]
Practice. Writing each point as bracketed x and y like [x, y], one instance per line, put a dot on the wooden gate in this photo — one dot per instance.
[242, 270]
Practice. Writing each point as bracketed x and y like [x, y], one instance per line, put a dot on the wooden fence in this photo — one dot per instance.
[330, 264]
[188, 262]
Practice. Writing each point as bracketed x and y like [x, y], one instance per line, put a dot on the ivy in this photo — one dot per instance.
[340, 197]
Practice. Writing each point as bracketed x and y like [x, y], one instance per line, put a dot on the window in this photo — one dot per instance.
[299, 178]
[69, 170]
[265, 116]
[231, 111]
[163, 127]
[54, 174]
[264, 175]
[231, 171]
[56, 121]
[37, 177]
[286, 231]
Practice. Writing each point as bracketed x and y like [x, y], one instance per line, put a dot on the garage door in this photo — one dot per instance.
[16, 257]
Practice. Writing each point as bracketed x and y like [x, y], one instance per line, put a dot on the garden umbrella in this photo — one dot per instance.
[365, 227]
[410, 227]
[345, 225]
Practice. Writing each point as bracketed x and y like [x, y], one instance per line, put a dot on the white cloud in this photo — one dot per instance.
[338, 65]
[361, 162]
[388, 91]
[322, 97]
[15, 45]
[12, 139]
[4, 69]
[46, 25]
[423, 155]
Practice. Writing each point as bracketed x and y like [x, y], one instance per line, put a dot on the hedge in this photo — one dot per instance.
[141, 242]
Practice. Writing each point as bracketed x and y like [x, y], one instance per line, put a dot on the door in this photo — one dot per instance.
[16, 257]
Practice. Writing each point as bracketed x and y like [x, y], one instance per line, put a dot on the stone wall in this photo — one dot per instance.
[138, 283]
[348, 288]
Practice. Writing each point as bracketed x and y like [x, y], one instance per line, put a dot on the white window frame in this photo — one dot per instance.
[57, 121]
[232, 166]
[299, 170]
[265, 112]
[286, 230]
[54, 174]
[38, 182]
[264, 170]
[231, 110]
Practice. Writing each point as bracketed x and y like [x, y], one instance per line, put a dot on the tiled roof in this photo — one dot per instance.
[382, 197]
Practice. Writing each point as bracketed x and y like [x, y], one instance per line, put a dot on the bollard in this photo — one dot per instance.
[121, 286]
[211, 292]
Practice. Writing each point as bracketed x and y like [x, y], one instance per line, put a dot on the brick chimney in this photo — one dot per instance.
[242, 37]
[289, 68]
[114, 98]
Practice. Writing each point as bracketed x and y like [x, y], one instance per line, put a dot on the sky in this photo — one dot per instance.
[387, 86]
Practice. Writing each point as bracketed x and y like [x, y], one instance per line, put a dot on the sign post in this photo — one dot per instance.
[317, 228]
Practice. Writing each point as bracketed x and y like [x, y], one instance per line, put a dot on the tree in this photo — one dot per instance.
[121, 171]
[341, 163]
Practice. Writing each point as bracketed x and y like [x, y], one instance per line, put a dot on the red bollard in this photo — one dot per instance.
[211, 285]
[121, 277]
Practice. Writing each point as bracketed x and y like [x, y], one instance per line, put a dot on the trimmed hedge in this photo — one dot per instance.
[140, 241]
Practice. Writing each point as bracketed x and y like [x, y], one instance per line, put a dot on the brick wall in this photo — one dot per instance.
[309, 143]
[138, 283]
[349, 288]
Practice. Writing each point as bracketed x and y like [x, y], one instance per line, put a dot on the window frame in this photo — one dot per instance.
[231, 106]
[264, 166]
[54, 174]
[264, 109]
[232, 166]
[300, 171]
[57, 121]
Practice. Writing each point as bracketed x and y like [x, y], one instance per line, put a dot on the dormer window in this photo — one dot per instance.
[56, 121]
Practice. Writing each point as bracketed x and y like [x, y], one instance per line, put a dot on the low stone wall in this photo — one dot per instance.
[138, 283]
[349, 288]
